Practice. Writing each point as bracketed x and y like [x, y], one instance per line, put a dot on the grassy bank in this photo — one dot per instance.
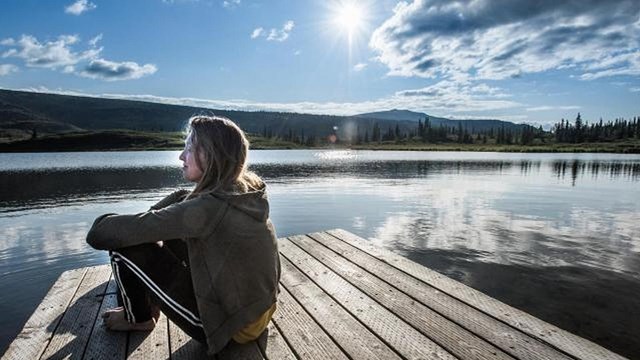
[120, 140]
[612, 147]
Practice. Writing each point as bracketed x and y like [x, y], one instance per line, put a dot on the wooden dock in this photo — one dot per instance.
[341, 298]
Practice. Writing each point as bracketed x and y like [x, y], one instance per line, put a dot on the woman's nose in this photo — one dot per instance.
[181, 157]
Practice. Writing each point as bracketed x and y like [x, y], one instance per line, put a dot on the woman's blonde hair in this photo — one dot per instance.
[221, 149]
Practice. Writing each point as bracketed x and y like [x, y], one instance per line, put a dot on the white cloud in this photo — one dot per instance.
[257, 32]
[93, 42]
[230, 3]
[297, 52]
[112, 71]
[282, 34]
[502, 38]
[457, 97]
[59, 55]
[7, 42]
[634, 89]
[51, 54]
[6, 69]
[359, 66]
[79, 7]
[274, 34]
[549, 108]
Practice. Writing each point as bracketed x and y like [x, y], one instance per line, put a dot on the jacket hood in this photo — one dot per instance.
[253, 203]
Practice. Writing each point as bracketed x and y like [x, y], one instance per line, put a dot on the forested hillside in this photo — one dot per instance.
[26, 112]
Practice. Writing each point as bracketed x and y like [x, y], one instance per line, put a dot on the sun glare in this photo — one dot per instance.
[347, 23]
[349, 17]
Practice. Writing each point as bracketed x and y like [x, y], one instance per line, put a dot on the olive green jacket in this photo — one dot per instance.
[233, 253]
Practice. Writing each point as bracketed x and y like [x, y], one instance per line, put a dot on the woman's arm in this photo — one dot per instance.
[170, 199]
[187, 219]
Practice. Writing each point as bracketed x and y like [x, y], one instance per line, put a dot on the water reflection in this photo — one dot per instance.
[578, 168]
[55, 187]
[41, 189]
[554, 235]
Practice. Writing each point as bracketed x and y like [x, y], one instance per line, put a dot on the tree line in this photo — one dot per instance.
[581, 131]
[424, 132]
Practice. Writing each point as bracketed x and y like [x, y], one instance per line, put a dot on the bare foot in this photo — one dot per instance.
[108, 312]
[155, 312]
[116, 321]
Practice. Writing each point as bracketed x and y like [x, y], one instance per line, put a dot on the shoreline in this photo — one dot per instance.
[128, 140]
[569, 148]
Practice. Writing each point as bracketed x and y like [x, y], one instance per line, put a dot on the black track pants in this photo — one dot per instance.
[151, 274]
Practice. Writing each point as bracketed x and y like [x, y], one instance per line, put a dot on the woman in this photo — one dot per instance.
[208, 258]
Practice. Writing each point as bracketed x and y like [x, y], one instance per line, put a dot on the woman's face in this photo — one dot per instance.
[190, 169]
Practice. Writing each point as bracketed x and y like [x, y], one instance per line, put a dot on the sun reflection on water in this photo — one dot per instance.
[336, 155]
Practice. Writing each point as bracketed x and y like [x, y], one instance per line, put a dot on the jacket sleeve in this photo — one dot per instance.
[193, 218]
[170, 199]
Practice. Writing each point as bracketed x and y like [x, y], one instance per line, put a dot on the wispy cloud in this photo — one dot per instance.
[230, 3]
[79, 7]
[6, 69]
[359, 66]
[621, 64]
[502, 39]
[257, 32]
[274, 34]
[93, 42]
[550, 108]
[58, 54]
[634, 89]
[283, 33]
[458, 97]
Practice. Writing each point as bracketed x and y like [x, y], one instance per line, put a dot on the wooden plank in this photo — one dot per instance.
[399, 335]
[505, 337]
[39, 329]
[301, 332]
[355, 339]
[233, 350]
[105, 344]
[183, 347]
[150, 344]
[273, 346]
[534, 327]
[454, 338]
[70, 338]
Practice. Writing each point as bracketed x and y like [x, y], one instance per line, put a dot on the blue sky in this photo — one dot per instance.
[523, 61]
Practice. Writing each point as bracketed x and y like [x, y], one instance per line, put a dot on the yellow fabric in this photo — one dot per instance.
[253, 330]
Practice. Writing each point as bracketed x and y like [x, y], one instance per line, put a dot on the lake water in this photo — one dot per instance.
[556, 235]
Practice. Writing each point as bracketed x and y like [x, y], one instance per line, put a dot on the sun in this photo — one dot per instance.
[347, 22]
[349, 17]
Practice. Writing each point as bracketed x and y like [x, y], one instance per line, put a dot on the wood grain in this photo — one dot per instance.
[569, 343]
[72, 335]
[39, 329]
[397, 333]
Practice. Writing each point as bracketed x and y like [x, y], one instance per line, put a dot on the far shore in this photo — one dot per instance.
[125, 140]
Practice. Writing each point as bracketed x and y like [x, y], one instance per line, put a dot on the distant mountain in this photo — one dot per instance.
[394, 114]
[52, 113]
[471, 124]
